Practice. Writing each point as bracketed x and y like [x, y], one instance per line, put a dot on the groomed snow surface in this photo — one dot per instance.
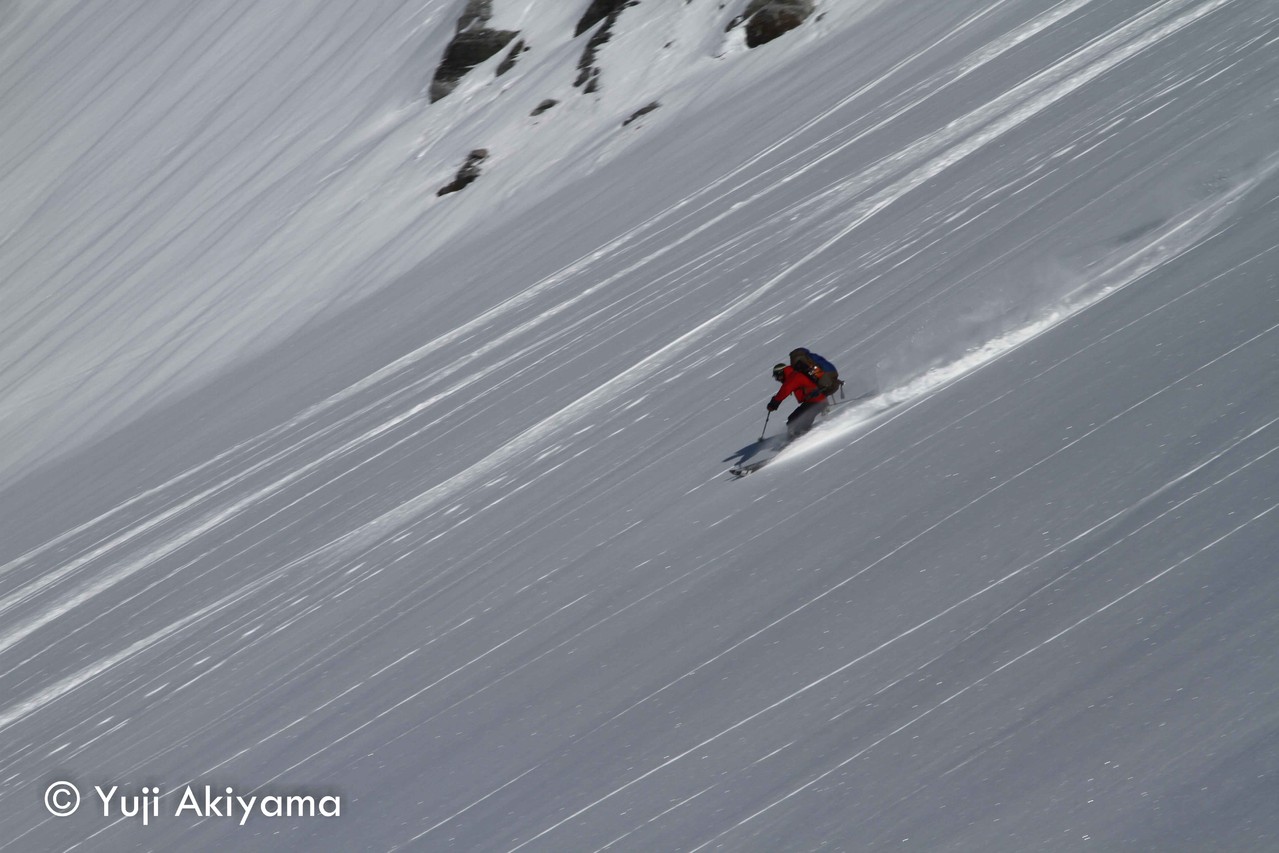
[318, 484]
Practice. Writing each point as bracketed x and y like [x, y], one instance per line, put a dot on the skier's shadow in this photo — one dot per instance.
[750, 451]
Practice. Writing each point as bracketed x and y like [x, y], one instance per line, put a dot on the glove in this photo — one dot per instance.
[773, 405]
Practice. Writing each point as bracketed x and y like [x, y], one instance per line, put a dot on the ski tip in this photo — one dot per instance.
[737, 472]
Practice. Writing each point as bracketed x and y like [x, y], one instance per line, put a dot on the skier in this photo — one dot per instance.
[812, 402]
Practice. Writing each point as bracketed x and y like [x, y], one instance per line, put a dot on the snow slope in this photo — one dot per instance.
[320, 483]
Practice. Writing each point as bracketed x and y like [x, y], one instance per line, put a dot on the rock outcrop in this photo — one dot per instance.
[467, 174]
[598, 11]
[642, 111]
[508, 61]
[476, 14]
[473, 43]
[588, 76]
[544, 106]
[765, 20]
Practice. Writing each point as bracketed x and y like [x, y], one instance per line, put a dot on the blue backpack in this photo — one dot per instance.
[818, 369]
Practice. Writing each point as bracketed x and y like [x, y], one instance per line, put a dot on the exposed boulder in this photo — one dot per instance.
[508, 61]
[598, 11]
[476, 14]
[544, 106]
[467, 174]
[642, 111]
[588, 76]
[767, 19]
[473, 44]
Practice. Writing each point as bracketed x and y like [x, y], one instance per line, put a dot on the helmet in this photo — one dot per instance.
[779, 372]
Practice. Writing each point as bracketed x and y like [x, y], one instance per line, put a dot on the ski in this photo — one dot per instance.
[776, 444]
[743, 468]
[740, 471]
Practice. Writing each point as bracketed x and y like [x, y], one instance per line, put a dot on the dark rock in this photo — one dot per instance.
[476, 14]
[508, 62]
[467, 174]
[467, 50]
[642, 111]
[598, 11]
[544, 106]
[472, 44]
[588, 77]
[767, 19]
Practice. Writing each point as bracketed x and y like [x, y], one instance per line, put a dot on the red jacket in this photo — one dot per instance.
[797, 383]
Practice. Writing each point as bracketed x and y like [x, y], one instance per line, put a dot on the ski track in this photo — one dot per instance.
[662, 234]
[497, 316]
[996, 671]
[1046, 89]
[309, 455]
[843, 430]
[950, 376]
[642, 372]
[907, 543]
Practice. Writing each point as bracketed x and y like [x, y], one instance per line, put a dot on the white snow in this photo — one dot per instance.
[314, 482]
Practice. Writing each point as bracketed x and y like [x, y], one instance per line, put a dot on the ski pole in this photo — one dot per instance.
[765, 429]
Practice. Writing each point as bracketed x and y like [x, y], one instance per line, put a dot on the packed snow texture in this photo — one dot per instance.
[317, 482]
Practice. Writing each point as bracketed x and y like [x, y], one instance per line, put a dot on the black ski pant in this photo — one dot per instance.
[801, 420]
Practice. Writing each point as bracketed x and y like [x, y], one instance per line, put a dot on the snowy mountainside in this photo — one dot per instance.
[189, 185]
[438, 521]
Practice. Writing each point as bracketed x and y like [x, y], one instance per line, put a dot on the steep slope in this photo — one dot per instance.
[463, 552]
